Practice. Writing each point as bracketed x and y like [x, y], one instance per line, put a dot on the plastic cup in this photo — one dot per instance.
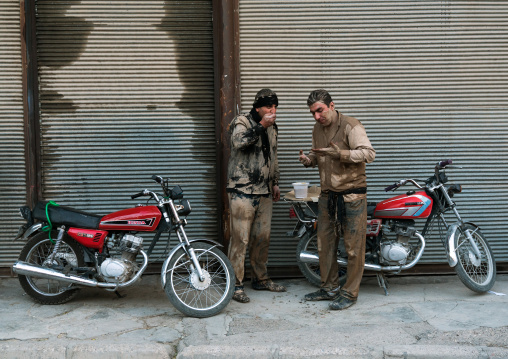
[301, 189]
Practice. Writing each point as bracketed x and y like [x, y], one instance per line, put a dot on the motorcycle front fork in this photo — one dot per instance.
[460, 226]
[469, 236]
[192, 254]
[182, 237]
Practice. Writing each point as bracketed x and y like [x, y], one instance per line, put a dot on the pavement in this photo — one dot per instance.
[422, 317]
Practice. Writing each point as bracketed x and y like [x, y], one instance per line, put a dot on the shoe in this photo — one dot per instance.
[320, 294]
[341, 303]
[267, 285]
[240, 296]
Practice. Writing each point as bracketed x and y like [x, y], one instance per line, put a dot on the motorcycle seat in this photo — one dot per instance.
[68, 216]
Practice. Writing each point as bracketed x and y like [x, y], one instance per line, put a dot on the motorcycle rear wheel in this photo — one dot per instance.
[195, 298]
[478, 274]
[311, 271]
[37, 251]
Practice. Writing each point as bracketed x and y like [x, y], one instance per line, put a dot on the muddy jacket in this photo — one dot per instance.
[249, 171]
[348, 171]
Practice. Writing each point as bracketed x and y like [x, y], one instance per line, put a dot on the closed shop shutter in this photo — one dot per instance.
[428, 79]
[12, 148]
[126, 92]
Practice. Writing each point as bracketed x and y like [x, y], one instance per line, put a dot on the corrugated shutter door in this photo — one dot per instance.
[428, 79]
[126, 93]
[12, 148]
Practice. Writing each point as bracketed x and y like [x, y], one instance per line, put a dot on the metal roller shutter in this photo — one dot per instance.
[428, 79]
[12, 148]
[126, 92]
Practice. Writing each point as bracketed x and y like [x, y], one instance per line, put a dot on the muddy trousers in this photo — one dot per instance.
[250, 223]
[353, 233]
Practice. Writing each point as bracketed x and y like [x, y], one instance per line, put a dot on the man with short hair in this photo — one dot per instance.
[253, 183]
[341, 149]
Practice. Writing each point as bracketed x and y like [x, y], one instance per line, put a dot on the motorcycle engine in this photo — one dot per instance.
[393, 252]
[396, 252]
[119, 270]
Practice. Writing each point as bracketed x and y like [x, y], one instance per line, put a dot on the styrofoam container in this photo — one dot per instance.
[301, 189]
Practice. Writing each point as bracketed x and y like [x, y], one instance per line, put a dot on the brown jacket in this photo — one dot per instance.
[348, 171]
[249, 171]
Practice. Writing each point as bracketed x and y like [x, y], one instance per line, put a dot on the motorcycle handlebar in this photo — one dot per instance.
[393, 186]
[134, 196]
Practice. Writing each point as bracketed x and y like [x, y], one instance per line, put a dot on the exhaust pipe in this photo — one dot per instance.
[24, 268]
[312, 257]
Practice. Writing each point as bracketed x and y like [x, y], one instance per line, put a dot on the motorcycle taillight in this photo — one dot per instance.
[292, 213]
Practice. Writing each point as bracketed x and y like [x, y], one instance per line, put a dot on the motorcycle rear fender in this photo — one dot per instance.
[31, 230]
[450, 236]
[172, 253]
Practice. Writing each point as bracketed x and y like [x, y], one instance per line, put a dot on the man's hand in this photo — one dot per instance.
[268, 120]
[275, 193]
[304, 159]
[333, 151]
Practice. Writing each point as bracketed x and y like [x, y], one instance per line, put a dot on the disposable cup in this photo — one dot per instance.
[301, 189]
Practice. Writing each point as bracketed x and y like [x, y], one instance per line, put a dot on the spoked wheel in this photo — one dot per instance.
[311, 271]
[477, 273]
[191, 295]
[37, 251]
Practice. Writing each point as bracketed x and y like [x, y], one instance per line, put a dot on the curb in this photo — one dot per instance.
[388, 352]
[101, 349]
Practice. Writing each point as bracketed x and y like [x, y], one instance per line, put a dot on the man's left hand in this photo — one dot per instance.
[333, 151]
[275, 193]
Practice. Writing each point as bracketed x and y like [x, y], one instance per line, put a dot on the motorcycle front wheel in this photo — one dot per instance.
[478, 274]
[192, 296]
[38, 251]
[311, 271]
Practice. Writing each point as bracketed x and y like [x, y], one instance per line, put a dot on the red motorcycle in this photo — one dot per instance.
[394, 244]
[106, 252]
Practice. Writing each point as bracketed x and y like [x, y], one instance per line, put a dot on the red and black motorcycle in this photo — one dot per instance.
[107, 252]
[394, 244]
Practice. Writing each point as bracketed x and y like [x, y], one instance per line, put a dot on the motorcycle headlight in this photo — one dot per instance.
[184, 208]
[454, 188]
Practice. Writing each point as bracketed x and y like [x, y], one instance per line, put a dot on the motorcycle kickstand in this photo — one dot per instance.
[119, 295]
[383, 282]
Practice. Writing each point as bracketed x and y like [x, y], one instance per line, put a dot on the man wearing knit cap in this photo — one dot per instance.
[253, 184]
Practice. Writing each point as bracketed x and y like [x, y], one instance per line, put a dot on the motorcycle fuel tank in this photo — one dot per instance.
[405, 206]
[142, 218]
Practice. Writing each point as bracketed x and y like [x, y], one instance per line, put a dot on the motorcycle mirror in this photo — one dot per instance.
[157, 179]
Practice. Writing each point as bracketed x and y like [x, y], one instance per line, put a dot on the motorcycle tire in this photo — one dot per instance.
[478, 275]
[195, 298]
[311, 271]
[37, 251]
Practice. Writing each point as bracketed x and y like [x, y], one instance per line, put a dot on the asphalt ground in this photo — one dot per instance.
[422, 317]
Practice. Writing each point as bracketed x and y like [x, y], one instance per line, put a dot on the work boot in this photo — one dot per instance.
[267, 285]
[240, 296]
[342, 302]
[321, 294]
